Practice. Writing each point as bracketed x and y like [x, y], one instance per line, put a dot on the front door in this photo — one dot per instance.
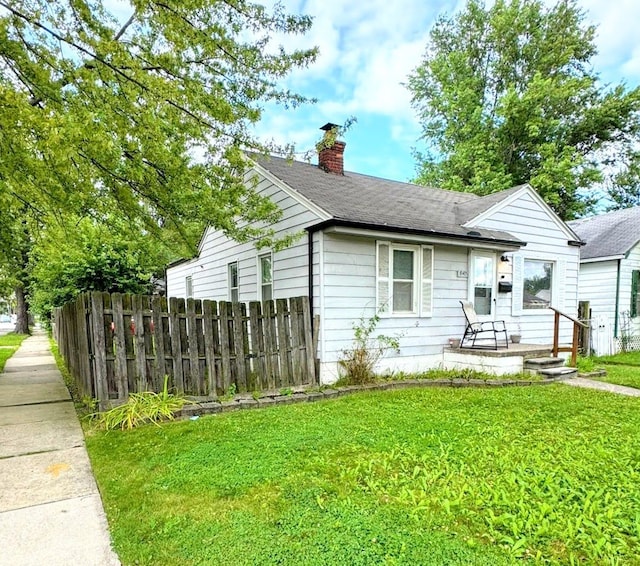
[482, 281]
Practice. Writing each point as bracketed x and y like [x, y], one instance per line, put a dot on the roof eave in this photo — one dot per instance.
[602, 258]
[337, 222]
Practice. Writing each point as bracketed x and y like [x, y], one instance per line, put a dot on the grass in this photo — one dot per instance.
[621, 375]
[421, 476]
[624, 358]
[622, 369]
[9, 343]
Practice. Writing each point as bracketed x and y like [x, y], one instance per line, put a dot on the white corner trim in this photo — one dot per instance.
[203, 239]
[526, 189]
[290, 191]
[321, 310]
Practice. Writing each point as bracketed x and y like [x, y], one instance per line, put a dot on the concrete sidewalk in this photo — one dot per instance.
[602, 386]
[50, 508]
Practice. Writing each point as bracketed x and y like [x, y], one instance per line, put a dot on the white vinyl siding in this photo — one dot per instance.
[531, 222]
[598, 287]
[630, 264]
[290, 265]
[351, 266]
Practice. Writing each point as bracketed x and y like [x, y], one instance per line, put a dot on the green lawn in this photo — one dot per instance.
[624, 358]
[621, 375]
[422, 476]
[8, 345]
[622, 369]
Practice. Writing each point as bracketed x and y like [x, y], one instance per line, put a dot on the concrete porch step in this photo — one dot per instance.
[537, 364]
[564, 371]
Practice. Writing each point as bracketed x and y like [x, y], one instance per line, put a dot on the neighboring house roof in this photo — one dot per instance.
[363, 200]
[610, 235]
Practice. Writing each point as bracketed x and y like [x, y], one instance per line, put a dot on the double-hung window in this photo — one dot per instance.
[404, 279]
[265, 277]
[233, 281]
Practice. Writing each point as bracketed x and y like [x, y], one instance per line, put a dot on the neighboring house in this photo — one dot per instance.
[410, 252]
[610, 275]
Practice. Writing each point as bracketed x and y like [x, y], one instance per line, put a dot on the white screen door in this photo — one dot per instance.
[482, 282]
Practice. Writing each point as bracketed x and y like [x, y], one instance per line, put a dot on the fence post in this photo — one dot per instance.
[208, 322]
[176, 344]
[270, 344]
[120, 362]
[194, 359]
[282, 312]
[585, 332]
[99, 353]
[158, 341]
[225, 353]
[238, 345]
[141, 352]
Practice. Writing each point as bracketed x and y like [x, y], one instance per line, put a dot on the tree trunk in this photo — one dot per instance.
[22, 308]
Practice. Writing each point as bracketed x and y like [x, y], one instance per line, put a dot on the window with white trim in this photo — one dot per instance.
[404, 279]
[537, 284]
[188, 284]
[265, 277]
[233, 281]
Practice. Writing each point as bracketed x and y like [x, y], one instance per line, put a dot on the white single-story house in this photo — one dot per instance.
[610, 277]
[409, 252]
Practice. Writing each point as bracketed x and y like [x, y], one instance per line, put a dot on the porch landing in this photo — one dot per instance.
[499, 362]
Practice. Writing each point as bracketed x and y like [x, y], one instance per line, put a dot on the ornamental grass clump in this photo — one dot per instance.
[142, 408]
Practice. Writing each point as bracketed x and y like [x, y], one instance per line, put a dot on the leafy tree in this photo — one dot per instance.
[146, 117]
[89, 256]
[507, 95]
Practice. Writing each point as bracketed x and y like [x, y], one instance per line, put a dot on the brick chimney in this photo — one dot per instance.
[330, 151]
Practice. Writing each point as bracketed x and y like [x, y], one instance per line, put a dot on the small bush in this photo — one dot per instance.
[141, 408]
[585, 365]
[358, 362]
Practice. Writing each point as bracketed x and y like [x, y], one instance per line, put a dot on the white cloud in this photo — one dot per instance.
[367, 49]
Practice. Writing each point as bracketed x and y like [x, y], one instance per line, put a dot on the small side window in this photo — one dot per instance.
[233, 282]
[188, 284]
[265, 275]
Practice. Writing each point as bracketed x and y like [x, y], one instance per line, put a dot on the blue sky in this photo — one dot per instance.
[367, 49]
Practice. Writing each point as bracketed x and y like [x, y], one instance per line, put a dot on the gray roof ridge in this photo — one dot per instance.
[347, 173]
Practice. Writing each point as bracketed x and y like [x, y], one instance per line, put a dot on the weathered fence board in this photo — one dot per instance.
[116, 344]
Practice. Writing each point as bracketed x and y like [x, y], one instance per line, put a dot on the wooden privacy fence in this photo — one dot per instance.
[114, 344]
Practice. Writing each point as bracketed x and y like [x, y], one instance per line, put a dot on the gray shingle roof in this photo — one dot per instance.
[366, 200]
[610, 234]
[470, 209]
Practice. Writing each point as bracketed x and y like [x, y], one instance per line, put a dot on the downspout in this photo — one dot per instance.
[615, 314]
[310, 232]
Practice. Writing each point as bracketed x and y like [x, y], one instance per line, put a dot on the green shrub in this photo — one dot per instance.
[141, 408]
[357, 363]
[585, 365]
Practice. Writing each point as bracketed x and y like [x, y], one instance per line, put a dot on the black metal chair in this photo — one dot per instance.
[475, 328]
